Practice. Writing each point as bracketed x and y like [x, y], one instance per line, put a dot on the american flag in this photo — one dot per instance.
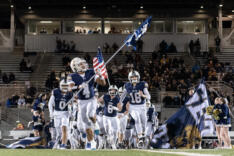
[99, 65]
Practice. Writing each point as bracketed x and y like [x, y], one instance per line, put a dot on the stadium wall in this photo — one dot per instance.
[89, 43]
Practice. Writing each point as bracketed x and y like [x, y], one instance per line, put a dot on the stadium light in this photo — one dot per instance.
[46, 22]
[126, 22]
[80, 21]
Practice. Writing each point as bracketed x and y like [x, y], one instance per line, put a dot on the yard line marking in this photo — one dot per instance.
[180, 153]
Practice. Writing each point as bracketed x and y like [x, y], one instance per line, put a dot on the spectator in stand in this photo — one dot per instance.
[66, 60]
[154, 55]
[172, 48]
[43, 31]
[58, 44]
[164, 60]
[139, 45]
[163, 47]
[129, 67]
[52, 75]
[217, 43]
[15, 100]
[129, 57]
[9, 103]
[21, 101]
[191, 47]
[28, 101]
[212, 75]
[29, 66]
[31, 91]
[197, 46]
[64, 46]
[114, 47]
[50, 80]
[5, 78]
[73, 47]
[11, 77]
[90, 31]
[23, 65]
[87, 57]
[106, 47]
[114, 69]
[95, 31]
[196, 67]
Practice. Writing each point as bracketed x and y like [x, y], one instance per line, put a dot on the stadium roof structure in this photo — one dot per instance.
[133, 4]
[115, 8]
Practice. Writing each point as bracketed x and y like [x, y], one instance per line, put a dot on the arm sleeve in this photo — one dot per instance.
[146, 92]
[51, 104]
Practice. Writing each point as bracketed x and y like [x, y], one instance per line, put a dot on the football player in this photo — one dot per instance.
[58, 108]
[138, 93]
[99, 113]
[39, 104]
[151, 122]
[87, 101]
[111, 102]
[123, 117]
[38, 122]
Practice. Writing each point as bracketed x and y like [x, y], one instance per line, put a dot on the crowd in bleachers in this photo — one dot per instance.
[65, 46]
[161, 72]
[22, 100]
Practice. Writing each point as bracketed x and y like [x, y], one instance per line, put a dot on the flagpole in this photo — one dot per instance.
[108, 81]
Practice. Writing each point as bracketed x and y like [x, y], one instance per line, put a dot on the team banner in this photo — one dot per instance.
[187, 126]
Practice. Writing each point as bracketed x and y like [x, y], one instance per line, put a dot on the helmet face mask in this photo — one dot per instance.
[134, 77]
[83, 66]
[113, 90]
[64, 86]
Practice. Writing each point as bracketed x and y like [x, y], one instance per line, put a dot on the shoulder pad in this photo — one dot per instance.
[127, 84]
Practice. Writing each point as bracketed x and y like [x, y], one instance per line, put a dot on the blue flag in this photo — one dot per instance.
[186, 127]
[131, 39]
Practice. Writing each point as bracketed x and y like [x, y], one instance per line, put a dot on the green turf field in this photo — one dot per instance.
[42, 152]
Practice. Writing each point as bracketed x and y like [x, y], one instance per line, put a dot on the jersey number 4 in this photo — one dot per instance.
[86, 91]
[135, 98]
